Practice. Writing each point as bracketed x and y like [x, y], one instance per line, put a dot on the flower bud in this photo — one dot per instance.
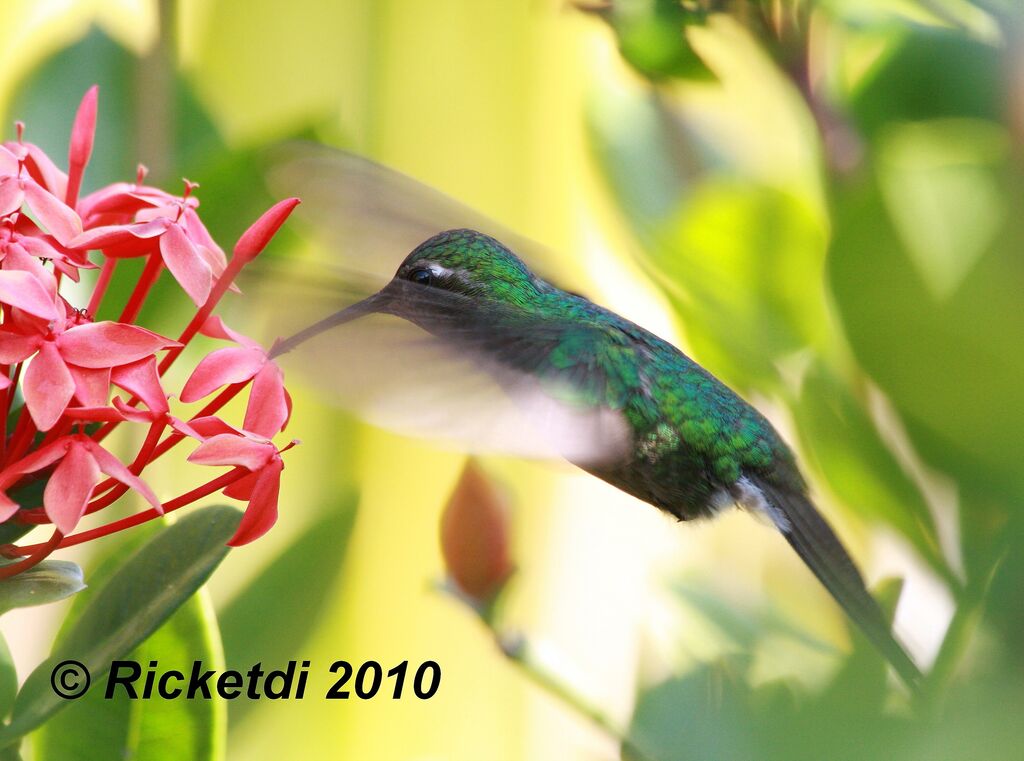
[475, 535]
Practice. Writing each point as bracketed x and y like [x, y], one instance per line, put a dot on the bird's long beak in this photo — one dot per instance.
[378, 302]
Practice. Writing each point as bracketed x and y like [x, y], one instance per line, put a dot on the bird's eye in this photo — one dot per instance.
[421, 276]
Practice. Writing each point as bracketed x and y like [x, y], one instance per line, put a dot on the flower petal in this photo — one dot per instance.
[16, 347]
[141, 379]
[261, 514]
[242, 488]
[48, 386]
[184, 262]
[69, 488]
[219, 368]
[268, 409]
[33, 462]
[58, 218]
[11, 195]
[118, 235]
[215, 327]
[233, 449]
[8, 162]
[119, 472]
[23, 290]
[42, 169]
[8, 507]
[92, 385]
[109, 344]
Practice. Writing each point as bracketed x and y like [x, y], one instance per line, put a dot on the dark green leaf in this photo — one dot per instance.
[140, 596]
[148, 730]
[275, 614]
[652, 37]
[8, 679]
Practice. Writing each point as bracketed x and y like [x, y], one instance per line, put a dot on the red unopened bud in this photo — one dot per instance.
[83, 132]
[475, 535]
[263, 229]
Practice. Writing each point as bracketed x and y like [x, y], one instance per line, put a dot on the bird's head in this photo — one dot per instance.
[454, 271]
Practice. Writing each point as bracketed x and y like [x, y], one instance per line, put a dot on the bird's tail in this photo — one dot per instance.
[816, 543]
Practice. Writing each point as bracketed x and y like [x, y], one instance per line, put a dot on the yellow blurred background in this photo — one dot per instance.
[498, 104]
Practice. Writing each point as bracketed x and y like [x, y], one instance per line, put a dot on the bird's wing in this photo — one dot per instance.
[499, 381]
[369, 215]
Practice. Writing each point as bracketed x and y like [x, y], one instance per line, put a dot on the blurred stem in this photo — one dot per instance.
[516, 648]
[154, 116]
[518, 651]
[968, 614]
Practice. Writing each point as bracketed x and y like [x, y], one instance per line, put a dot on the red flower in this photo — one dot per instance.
[18, 187]
[64, 364]
[69, 488]
[175, 232]
[69, 360]
[269, 404]
[224, 445]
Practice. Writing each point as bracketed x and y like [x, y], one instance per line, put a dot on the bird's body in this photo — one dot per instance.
[688, 443]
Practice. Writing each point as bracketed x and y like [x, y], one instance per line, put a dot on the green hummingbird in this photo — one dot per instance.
[641, 415]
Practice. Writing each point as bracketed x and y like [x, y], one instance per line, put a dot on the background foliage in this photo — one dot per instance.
[817, 199]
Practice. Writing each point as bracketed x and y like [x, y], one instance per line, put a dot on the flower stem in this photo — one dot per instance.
[147, 279]
[39, 552]
[519, 653]
[196, 323]
[21, 439]
[139, 518]
[102, 283]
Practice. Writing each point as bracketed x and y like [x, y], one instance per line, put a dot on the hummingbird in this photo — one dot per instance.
[678, 438]
[603, 392]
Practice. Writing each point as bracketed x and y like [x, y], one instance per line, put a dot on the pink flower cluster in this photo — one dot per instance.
[79, 379]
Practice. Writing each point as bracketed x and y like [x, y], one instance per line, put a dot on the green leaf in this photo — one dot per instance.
[8, 679]
[140, 596]
[952, 366]
[929, 73]
[148, 730]
[652, 38]
[49, 581]
[737, 261]
[11, 532]
[840, 439]
[275, 614]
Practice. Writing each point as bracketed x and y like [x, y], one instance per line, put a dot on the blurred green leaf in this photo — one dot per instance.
[276, 613]
[950, 366]
[143, 593]
[928, 73]
[840, 439]
[49, 581]
[11, 532]
[47, 99]
[8, 679]
[148, 730]
[647, 166]
[940, 183]
[652, 36]
[119, 728]
[701, 715]
[746, 627]
[737, 262]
